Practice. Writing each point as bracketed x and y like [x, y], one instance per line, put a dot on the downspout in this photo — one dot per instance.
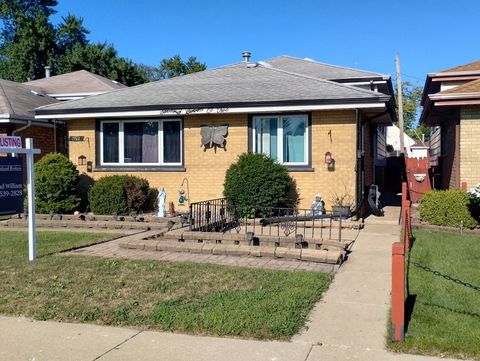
[28, 125]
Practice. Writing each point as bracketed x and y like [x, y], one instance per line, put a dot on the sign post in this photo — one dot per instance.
[13, 145]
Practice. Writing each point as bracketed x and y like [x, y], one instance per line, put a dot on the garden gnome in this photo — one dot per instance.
[162, 195]
[317, 206]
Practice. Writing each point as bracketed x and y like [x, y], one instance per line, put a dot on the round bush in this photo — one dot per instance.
[256, 180]
[446, 208]
[120, 195]
[56, 179]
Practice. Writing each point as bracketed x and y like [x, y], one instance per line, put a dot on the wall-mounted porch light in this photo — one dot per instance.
[82, 160]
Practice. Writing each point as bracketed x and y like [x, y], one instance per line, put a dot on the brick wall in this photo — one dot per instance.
[332, 131]
[470, 146]
[451, 154]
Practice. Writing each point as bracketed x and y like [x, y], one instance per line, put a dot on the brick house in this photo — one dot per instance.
[18, 101]
[298, 111]
[451, 106]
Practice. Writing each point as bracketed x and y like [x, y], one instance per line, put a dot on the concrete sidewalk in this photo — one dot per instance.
[349, 323]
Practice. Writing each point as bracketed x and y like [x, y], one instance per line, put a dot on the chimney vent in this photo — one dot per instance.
[47, 72]
[246, 56]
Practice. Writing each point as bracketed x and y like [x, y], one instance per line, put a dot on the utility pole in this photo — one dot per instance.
[400, 102]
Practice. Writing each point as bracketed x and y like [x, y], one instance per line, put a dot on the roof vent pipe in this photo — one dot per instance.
[47, 72]
[246, 56]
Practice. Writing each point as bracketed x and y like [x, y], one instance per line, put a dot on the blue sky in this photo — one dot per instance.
[429, 35]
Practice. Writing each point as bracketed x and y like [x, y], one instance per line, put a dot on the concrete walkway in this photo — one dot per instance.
[349, 323]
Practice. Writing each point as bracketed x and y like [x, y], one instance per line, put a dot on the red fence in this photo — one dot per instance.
[418, 177]
[399, 249]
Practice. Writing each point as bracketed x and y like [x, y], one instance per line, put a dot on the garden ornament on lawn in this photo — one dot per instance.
[162, 195]
[317, 206]
[213, 136]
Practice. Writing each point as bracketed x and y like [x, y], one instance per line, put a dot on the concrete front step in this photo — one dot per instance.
[312, 255]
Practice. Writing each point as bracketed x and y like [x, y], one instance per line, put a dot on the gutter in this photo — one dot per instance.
[28, 125]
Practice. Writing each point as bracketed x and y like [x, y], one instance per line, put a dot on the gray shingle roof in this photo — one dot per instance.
[19, 100]
[80, 81]
[233, 84]
[319, 70]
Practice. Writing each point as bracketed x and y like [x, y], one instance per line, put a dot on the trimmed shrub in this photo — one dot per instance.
[120, 194]
[256, 180]
[56, 179]
[446, 208]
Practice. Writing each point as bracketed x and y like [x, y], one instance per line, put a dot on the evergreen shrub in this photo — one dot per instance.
[446, 208]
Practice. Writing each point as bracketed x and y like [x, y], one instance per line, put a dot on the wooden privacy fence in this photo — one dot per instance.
[399, 250]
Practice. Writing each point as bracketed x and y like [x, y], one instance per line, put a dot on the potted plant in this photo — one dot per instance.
[342, 204]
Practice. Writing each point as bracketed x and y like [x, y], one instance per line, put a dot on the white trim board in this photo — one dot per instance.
[182, 112]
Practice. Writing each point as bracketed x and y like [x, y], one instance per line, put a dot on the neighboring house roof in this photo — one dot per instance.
[393, 138]
[464, 82]
[237, 85]
[77, 82]
[473, 66]
[17, 101]
[320, 70]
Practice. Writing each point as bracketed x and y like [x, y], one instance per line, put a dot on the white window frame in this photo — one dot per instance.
[280, 119]
[121, 140]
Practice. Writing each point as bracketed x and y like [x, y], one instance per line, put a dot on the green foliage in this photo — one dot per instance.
[120, 195]
[256, 180]
[27, 42]
[70, 32]
[176, 66]
[447, 208]
[56, 179]
[101, 59]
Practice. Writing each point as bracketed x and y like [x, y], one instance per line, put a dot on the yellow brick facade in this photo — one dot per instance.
[470, 147]
[332, 131]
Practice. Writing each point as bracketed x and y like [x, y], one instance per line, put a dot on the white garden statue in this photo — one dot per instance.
[317, 206]
[162, 195]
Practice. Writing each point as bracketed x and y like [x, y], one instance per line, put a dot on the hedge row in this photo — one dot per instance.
[57, 184]
[447, 208]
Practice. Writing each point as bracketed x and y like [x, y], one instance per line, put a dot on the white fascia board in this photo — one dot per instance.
[454, 96]
[365, 82]
[182, 112]
[73, 95]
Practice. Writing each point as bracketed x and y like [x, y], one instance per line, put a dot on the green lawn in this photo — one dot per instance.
[184, 297]
[446, 316]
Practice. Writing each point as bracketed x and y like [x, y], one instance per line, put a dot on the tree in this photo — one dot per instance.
[412, 95]
[175, 66]
[70, 32]
[27, 40]
[101, 59]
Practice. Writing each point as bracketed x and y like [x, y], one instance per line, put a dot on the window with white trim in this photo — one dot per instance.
[282, 137]
[141, 142]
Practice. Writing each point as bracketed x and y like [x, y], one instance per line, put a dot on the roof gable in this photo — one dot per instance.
[19, 100]
[473, 66]
[319, 70]
[80, 81]
[470, 87]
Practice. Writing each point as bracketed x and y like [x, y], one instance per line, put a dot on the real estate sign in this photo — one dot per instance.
[11, 186]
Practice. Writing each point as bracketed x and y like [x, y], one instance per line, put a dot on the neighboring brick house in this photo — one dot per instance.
[451, 105]
[296, 110]
[17, 102]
